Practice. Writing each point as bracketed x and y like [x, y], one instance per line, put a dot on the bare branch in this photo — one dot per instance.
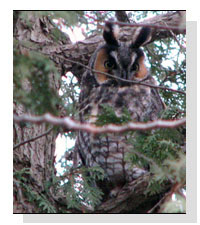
[71, 124]
[121, 79]
[33, 139]
[122, 24]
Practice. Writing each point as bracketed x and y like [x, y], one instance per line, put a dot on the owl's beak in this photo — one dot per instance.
[124, 74]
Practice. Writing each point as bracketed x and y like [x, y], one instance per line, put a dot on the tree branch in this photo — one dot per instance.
[124, 80]
[33, 139]
[71, 124]
[131, 192]
[163, 27]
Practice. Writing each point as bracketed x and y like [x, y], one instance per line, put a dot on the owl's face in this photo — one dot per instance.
[121, 60]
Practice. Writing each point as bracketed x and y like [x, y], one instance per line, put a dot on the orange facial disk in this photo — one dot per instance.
[99, 66]
[142, 72]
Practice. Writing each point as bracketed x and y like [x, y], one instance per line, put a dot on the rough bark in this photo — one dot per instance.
[38, 156]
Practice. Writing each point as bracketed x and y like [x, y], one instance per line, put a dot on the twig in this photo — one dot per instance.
[175, 188]
[121, 79]
[71, 124]
[175, 38]
[181, 194]
[33, 139]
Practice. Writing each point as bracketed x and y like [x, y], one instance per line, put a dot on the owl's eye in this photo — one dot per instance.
[135, 67]
[109, 64]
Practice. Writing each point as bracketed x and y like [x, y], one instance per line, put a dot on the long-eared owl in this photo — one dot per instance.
[125, 62]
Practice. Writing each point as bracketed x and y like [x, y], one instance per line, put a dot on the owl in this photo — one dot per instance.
[114, 67]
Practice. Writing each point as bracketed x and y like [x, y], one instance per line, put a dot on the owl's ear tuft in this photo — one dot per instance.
[110, 33]
[141, 37]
